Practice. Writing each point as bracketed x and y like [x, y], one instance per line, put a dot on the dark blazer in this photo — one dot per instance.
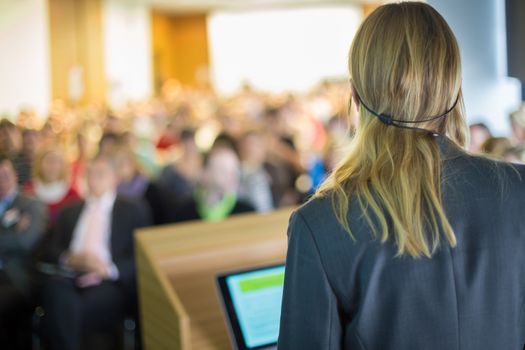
[16, 247]
[127, 215]
[187, 210]
[345, 294]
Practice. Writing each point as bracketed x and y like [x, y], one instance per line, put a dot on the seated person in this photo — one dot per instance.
[134, 184]
[255, 181]
[22, 222]
[94, 238]
[177, 179]
[215, 197]
[50, 182]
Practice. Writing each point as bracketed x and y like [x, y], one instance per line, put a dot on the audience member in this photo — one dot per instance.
[284, 167]
[22, 222]
[479, 133]
[515, 154]
[51, 182]
[94, 239]
[517, 123]
[134, 184]
[496, 147]
[10, 139]
[178, 179]
[215, 197]
[254, 185]
[225, 140]
[109, 142]
[24, 159]
[171, 135]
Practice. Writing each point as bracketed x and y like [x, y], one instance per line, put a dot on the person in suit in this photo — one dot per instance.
[215, 197]
[133, 183]
[94, 239]
[22, 223]
[411, 243]
[254, 185]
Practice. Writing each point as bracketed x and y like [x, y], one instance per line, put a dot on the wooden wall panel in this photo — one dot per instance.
[75, 31]
[369, 7]
[62, 44]
[180, 47]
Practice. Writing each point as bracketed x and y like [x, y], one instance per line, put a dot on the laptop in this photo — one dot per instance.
[251, 301]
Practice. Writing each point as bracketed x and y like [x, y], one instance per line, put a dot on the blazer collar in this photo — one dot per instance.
[449, 149]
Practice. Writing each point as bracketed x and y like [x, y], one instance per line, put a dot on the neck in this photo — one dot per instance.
[49, 182]
[102, 195]
[213, 197]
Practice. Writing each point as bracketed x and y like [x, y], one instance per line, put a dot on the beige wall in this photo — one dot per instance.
[24, 58]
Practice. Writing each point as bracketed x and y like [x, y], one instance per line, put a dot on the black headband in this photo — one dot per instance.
[388, 120]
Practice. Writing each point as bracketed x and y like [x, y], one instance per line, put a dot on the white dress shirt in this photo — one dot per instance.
[79, 238]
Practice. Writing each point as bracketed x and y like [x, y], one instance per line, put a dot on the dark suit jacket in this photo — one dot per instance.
[345, 294]
[187, 210]
[16, 246]
[127, 215]
[13, 242]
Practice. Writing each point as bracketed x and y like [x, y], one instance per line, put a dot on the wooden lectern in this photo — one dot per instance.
[177, 265]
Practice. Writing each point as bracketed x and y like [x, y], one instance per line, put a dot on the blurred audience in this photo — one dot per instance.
[510, 148]
[94, 240]
[187, 154]
[22, 223]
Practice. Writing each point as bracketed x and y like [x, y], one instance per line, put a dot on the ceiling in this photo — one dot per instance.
[211, 5]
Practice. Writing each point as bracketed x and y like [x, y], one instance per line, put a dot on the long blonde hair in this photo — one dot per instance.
[404, 62]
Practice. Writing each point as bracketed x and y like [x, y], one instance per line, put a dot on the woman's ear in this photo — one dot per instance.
[354, 96]
[353, 106]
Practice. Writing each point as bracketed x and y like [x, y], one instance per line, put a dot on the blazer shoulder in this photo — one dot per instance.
[72, 208]
[130, 204]
[24, 199]
[132, 208]
[486, 173]
[317, 212]
[491, 167]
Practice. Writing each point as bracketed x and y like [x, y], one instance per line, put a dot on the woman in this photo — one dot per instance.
[51, 183]
[411, 243]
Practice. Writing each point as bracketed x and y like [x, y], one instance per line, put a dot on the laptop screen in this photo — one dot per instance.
[252, 300]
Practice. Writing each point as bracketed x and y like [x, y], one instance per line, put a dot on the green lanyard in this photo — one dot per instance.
[217, 212]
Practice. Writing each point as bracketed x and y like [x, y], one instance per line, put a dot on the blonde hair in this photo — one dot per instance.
[404, 62]
[39, 158]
